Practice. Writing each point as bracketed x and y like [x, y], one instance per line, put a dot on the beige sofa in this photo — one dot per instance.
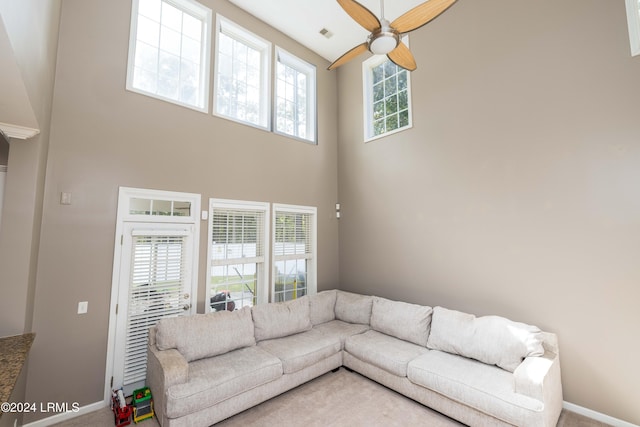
[480, 371]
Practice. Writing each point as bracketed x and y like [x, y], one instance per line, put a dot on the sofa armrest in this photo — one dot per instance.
[167, 365]
[539, 378]
[535, 374]
[164, 369]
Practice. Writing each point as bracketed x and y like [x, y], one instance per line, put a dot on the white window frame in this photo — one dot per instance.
[312, 264]
[303, 67]
[197, 11]
[262, 286]
[633, 20]
[367, 91]
[237, 32]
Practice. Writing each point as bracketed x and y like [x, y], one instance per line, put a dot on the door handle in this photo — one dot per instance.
[186, 307]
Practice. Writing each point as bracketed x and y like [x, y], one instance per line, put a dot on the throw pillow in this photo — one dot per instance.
[322, 307]
[281, 319]
[493, 340]
[353, 308]
[409, 322]
[206, 335]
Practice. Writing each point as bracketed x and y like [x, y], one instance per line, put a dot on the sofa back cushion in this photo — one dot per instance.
[353, 308]
[490, 339]
[322, 307]
[205, 335]
[281, 319]
[409, 322]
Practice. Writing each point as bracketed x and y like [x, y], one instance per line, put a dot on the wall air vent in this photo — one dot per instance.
[328, 34]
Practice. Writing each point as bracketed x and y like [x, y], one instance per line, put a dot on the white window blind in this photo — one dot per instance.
[294, 252]
[155, 291]
[238, 253]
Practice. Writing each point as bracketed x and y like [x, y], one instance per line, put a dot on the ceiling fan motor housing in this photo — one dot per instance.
[383, 40]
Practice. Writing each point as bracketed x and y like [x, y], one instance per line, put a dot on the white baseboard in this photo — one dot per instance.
[598, 416]
[64, 416]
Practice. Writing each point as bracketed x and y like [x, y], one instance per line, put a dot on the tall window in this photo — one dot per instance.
[169, 51]
[238, 253]
[295, 101]
[242, 74]
[294, 252]
[387, 92]
[633, 20]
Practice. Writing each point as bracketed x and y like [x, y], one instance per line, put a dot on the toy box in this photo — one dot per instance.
[121, 411]
[142, 403]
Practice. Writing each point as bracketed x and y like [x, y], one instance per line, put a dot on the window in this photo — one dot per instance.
[295, 101]
[294, 252]
[387, 92]
[242, 74]
[633, 20]
[169, 51]
[238, 254]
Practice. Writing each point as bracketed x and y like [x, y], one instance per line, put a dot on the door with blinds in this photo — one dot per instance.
[155, 282]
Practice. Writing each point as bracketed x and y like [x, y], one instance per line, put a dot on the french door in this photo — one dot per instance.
[155, 282]
[155, 276]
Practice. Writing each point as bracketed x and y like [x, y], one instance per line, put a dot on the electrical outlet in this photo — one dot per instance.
[83, 307]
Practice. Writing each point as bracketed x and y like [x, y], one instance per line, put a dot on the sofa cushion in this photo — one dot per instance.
[489, 339]
[486, 388]
[353, 308]
[409, 322]
[300, 351]
[215, 379]
[341, 330]
[322, 307]
[222, 331]
[384, 351]
[281, 319]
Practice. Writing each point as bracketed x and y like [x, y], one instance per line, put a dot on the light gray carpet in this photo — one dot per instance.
[342, 398]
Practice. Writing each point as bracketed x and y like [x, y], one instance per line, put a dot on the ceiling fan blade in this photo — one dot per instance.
[356, 51]
[402, 57]
[360, 14]
[420, 15]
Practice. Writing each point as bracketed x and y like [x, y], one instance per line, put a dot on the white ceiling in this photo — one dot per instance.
[302, 20]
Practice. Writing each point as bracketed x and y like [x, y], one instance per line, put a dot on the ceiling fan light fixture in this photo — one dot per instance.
[383, 43]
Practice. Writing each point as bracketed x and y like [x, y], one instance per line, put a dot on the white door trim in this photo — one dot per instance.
[124, 214]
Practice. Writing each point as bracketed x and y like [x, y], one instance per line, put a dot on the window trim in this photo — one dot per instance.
[240, 33]
[310, 70]
[312, 272]
[367, 93]
[215, 203]
[633, 21]
[199, 12]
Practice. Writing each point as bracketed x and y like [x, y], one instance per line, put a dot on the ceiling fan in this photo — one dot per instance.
[385, 37]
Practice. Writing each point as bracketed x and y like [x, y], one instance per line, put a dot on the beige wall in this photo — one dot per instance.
[32, 27]
[517, 192]
[103, 137]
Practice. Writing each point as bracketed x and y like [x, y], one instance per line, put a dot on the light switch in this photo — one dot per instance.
[83, 306]
[65, 198]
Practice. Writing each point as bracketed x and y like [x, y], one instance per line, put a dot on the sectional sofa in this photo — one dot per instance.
[481, 371]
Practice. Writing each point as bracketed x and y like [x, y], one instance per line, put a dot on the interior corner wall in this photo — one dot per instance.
[104, 137]
[516, 192]
[32, 27]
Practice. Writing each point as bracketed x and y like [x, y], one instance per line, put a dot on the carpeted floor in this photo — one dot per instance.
[342, 398]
